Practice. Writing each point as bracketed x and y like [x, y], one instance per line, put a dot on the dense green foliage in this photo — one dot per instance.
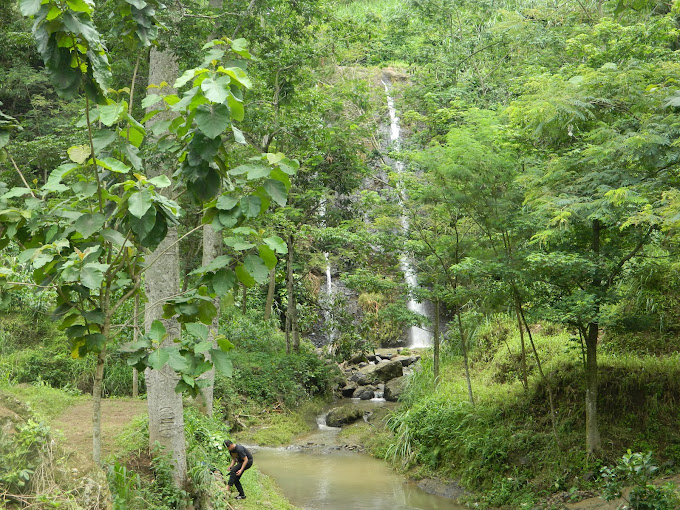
[538, 204]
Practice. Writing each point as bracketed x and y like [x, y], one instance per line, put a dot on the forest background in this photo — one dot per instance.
[541, 194]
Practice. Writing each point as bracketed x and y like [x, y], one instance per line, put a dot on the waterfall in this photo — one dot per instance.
[418, 337]
[329, 283]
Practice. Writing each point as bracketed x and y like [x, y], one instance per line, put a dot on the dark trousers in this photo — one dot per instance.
[234, 479]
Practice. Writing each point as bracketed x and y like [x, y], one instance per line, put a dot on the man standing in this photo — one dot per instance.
[241, 459]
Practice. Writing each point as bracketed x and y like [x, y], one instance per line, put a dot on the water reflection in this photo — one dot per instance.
[325, 478]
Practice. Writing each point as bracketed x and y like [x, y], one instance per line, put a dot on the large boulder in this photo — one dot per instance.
[406, 360]
[360, 378]
[382, 372]
[348, 389]
[364, 392]
[394, 388]
[340, 416]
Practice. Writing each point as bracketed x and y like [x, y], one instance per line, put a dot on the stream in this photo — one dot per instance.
[317, 473]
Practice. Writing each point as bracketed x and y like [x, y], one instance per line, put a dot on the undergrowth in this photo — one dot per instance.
[503, 448]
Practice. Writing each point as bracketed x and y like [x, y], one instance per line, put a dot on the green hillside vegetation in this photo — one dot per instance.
[182, 184]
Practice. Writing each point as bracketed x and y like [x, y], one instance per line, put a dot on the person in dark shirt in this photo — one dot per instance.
[241, 459]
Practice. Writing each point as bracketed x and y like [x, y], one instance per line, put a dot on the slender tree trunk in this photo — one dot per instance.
[135, 337]
[436, 343]
[463, 346]
[212, 241]
[166, 419]
[525, 381]
[593, 442]
[270, 294]
[551, 399]
[97, 403]
[244, 300]
[292, 305]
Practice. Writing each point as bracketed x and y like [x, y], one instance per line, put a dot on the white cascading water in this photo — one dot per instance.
[329, 283]
[418, 337]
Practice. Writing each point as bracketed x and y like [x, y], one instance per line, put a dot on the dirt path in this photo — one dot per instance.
[76, 425]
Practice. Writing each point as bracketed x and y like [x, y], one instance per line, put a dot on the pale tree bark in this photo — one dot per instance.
[270, 294]
[135, 337]
[212, 242]
[436, 343]
[166, 419]
[291, 314]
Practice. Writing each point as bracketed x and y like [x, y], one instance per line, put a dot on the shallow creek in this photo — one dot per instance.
[317, 473]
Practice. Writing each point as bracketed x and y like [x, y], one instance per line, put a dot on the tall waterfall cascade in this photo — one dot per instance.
[418, 337]
[329, 283]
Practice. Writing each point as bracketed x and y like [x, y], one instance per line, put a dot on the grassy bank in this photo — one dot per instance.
[503, 447]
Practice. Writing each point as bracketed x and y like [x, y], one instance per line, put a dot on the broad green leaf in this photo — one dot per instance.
[80, 6]
[226, 202]
[222, 362]
[114, 165]
[185, 78]
[29, 7]
[216, 90]
[275, 158]
[113, 236]
[15, 192]
[160, 181]
[290, 166]
[198, 330]
[111, 113]
[157, 331]
[212, 119]
[276, 190]
[223, 281]
[258, 171]
[236, 108]
[257, 268]
[95, 342]
[79, 153]
[4, 138]
[214, 265]
[176, 361]
[206, 312]
[250, 206]
[238, 74]
[92, 275]
[238, 135]
[277, 244]
[242, 169]
[244, 276]
[88, 224]
[203, 346]
[151, 100]
[268, 256]
[224, 344]
[139, 203]
[238, 243]
[158, 358]
[94, 316]
[143, 226]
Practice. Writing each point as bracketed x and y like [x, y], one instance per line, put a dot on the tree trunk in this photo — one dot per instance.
[551, 399]
[525, 381]
[436, 343]
[593, 442]
[463, 346]
[292, 306]
[270, 294]
[166, 419]
[244, 300]
[135, 337]
[97, 404]
[211, 247]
